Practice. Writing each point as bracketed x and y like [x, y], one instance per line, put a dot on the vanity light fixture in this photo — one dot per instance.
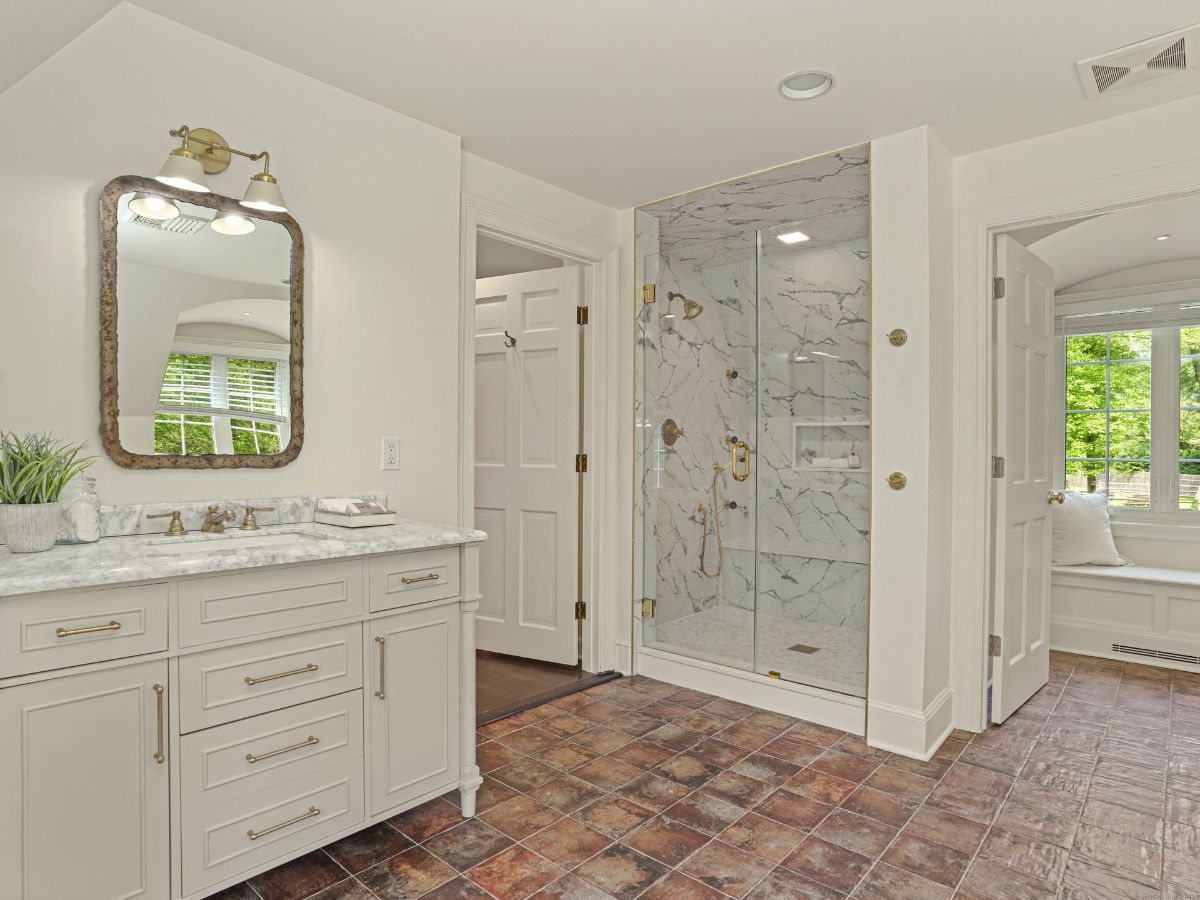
[152, 206]
[205, 151]
[227, 222]
[794, 237]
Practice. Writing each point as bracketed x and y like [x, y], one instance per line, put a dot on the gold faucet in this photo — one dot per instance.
[250, 523]
[214, 522]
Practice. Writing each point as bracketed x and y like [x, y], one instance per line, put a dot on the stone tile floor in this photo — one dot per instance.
[642, 789]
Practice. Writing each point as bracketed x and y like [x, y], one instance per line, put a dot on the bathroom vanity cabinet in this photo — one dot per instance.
[168, 738]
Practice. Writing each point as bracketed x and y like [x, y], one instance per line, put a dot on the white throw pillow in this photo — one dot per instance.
[1083, 533]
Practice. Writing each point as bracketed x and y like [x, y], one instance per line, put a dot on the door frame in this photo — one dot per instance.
[599, 264]
[973, 546]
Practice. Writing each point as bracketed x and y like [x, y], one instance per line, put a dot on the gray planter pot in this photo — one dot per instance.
[29, 527]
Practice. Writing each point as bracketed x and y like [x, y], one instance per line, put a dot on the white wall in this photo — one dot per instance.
[909, 669]
[381, 307]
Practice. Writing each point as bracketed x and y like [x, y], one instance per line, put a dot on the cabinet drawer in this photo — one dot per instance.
[227, 606]
[408, 578]
[223, 763]
[225, 840]
[39, 632]
[219, 686]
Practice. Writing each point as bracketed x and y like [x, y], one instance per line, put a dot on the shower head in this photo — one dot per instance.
[691, 309]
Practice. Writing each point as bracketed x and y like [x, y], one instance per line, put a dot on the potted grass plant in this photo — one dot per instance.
[34, 469]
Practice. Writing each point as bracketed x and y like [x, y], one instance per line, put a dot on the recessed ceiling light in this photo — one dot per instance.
[806, 85]
[793, 237]
[1162, 237]
[247, 314]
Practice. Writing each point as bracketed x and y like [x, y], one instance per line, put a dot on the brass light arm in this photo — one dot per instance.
[185, 133]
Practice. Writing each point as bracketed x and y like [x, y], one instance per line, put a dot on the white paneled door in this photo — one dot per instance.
[1025, 492]
[527, 435]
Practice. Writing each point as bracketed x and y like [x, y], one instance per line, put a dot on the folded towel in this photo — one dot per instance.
[821, 462]
[839, 463]
[344, 505]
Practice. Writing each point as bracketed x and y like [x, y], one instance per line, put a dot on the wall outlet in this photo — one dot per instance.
[389, 453]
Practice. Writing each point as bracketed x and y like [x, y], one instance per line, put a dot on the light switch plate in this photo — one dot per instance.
[389, 453]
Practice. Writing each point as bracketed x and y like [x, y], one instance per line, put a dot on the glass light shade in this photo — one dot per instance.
[183, 170]
[227, 222]
[263, 193]
[152, 206]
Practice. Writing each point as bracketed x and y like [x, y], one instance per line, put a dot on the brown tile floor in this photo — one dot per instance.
[642, 789]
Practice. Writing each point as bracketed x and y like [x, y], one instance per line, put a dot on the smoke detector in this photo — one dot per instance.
[1148, 61]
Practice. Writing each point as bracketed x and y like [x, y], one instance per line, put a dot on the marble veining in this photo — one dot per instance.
[793, 321]
[131, 558]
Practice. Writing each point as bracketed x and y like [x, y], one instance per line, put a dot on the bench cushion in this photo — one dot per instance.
[1144, 574]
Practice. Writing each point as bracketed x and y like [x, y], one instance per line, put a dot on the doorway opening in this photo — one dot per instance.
[533, 426]
[1095, 439]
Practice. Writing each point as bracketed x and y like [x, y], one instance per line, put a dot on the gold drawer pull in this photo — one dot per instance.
[160, 755]
[432, 576]
[251, 680]
[71, 632]
[382, 642]
[255, 835]
[311, 742]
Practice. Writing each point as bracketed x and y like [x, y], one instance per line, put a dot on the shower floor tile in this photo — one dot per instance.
[725, 635]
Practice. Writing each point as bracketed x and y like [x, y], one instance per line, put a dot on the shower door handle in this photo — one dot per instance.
[739, 452]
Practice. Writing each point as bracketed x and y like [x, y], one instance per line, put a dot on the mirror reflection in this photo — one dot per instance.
[203, 329]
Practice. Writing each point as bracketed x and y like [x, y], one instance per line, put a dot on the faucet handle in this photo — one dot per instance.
[250, 523]
[175, 529]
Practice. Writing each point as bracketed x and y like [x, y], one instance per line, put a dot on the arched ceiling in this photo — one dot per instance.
[1104, 245]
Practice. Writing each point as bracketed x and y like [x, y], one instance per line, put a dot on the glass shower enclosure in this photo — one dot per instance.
[752, 438]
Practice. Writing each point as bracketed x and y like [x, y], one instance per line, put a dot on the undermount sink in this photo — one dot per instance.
[225, 543]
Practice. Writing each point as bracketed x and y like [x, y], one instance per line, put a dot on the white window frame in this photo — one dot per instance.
[1165, 406]
[221, 414]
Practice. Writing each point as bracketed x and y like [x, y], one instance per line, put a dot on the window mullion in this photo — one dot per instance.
[1164, 420]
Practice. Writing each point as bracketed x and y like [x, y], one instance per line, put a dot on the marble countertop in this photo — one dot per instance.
[116, 560]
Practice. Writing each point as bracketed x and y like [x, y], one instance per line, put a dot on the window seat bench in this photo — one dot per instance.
[1134, 613]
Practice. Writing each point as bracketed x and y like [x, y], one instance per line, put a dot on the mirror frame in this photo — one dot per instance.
[109, 401]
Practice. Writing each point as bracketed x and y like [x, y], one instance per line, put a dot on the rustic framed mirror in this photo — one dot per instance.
[201, 330]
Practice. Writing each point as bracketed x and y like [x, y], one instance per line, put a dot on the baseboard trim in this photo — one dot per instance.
[801, 701]
[916, 733]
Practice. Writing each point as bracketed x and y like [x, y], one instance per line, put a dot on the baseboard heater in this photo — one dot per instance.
[1157, 654]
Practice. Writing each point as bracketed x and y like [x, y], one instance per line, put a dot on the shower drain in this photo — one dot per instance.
[803, 648]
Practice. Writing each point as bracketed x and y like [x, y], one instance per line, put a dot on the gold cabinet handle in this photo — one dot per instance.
[432, 576]
[160, 755]
[255, 835]
[311, 742]
[382, 641]
[251, 680]
[71, 632]
[739, 452]
[1056, 497]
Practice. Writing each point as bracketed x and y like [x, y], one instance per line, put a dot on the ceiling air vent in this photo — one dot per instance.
[182, 224]
[1162, 57]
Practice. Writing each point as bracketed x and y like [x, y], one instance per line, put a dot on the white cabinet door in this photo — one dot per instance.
[413, 681]
[83, 799]
[527, 399]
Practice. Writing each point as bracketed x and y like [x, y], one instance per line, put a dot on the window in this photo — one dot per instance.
[1132, 417]
[220, 404]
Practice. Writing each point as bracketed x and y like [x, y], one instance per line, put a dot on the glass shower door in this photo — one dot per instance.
[696, 423]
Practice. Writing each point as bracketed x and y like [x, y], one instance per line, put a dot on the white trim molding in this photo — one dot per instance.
[599, 261]
[976, 227]
[899, 729]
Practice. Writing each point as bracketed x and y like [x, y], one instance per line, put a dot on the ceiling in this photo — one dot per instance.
[1102, 245]
[626, 101]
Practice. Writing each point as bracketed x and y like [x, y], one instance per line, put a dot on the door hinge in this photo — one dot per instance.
[993, 645]
[581, 462]
[773, 674]
[581, 315]
[648, 293]
[998, 288]
[580, 610]
[647, 607]
[997, 466]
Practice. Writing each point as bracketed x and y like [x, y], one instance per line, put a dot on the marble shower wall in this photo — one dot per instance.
[793, 322]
